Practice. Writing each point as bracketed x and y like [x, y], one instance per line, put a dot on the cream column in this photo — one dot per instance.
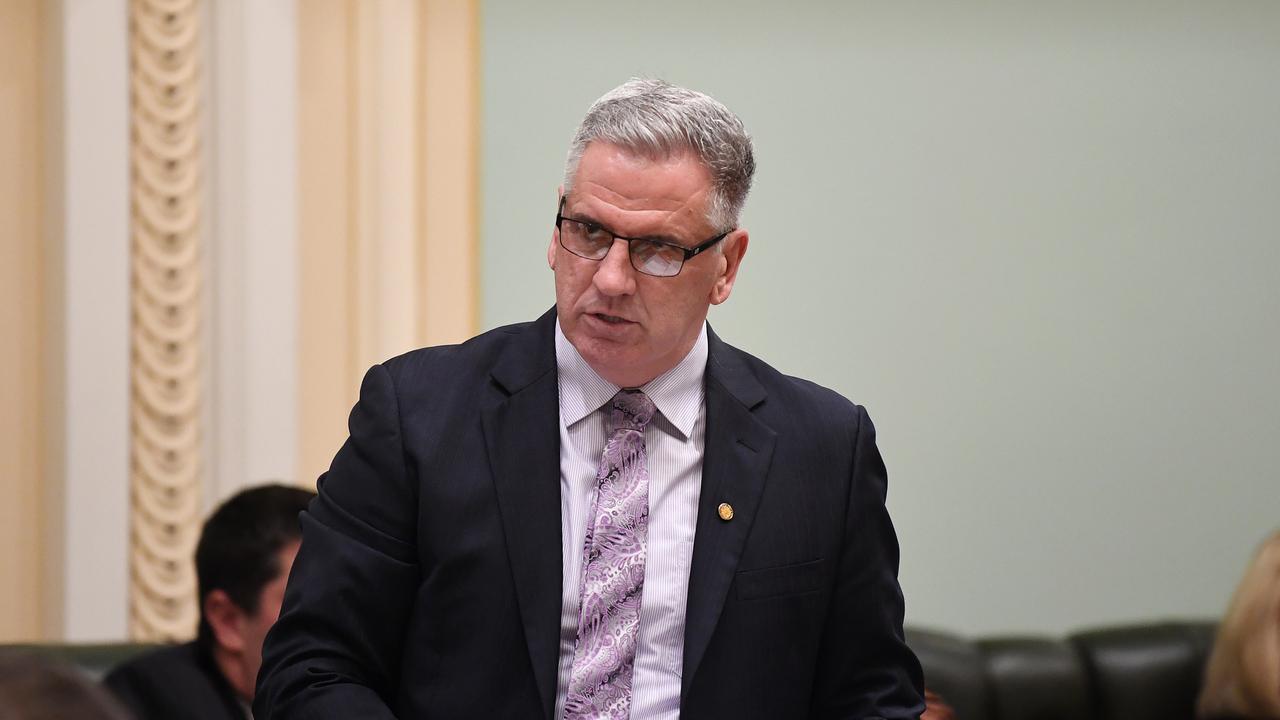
[22, 117]
[326, 321]
[214, 401]
[387, 195]
[450, 171]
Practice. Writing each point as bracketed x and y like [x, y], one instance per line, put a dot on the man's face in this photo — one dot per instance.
[628, 326]
[257, 624]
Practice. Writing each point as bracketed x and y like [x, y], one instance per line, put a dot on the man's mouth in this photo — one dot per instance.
[611, 319]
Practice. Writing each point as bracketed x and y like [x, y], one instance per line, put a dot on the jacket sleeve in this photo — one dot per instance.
[865, 669]
[334, 652]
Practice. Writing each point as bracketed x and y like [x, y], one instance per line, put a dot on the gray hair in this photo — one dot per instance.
[657, 119]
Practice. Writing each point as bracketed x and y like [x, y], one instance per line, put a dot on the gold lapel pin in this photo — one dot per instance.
[726, 511]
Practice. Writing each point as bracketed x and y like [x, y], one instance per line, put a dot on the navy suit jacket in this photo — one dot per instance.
[428, 583]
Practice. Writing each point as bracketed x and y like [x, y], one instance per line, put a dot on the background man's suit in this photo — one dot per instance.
[429, 578]
[175, 682]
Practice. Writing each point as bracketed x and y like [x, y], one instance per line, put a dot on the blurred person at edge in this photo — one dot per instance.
[935, 708]
[243, 558]
[35, 688]
[1242, 678]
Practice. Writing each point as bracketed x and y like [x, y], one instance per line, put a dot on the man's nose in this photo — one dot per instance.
[615, 276]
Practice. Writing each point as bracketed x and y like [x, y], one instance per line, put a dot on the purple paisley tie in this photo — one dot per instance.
[613, 568]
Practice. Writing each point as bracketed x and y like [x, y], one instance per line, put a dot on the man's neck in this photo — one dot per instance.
[232, 669]
[633, 377]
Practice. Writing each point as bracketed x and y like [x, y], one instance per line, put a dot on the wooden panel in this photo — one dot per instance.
[21, 318]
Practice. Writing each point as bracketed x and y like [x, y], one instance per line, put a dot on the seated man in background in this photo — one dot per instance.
[243, 559]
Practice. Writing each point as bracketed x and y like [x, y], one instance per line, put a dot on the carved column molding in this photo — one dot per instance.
[166, 99]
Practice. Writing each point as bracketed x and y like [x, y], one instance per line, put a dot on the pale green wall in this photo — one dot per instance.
[1041, 245]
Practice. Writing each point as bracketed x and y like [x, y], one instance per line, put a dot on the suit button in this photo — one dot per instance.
[726, 511]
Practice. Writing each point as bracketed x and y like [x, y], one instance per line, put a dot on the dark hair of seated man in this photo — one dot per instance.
[243, 558]
[35, 688]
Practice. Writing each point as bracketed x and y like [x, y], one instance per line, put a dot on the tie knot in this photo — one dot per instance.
[630, 409]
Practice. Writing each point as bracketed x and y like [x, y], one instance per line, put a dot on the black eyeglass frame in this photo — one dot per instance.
[689, 252]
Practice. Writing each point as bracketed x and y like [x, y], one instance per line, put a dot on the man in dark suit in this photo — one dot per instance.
[607, 512]
[243, 558]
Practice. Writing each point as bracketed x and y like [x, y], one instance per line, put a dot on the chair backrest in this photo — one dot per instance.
[1139, 672]
[93, 659]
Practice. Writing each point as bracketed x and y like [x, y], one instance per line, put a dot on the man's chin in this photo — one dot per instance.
[603, 352]
[611, 360]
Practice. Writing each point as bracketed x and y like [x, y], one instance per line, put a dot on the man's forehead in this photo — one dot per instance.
[630, 180]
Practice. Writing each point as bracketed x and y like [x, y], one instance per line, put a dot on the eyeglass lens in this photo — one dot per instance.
[593, 243]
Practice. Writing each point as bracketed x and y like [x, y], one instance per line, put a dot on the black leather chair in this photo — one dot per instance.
[94, 659]
[1140, 672]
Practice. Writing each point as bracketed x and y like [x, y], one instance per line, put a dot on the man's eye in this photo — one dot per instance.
[645, 249]
[655, 249]
[596, 234]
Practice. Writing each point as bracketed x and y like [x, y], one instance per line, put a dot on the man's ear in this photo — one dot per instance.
[226, 619]
[555, 233]
[735, 248]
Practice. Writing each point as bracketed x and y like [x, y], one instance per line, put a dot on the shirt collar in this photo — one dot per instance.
[677, 393]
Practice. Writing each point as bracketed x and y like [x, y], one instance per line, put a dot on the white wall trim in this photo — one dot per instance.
[254, 244]
[93, 274]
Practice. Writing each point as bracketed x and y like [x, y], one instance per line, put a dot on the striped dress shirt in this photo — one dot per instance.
[674, 443]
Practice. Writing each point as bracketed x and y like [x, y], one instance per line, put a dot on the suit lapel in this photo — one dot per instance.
[736, 459]
[523, 442]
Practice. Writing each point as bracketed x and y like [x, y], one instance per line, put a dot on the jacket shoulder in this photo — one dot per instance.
[794, 395]
[458, 371]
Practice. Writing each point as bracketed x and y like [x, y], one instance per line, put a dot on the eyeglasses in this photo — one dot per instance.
[650, 256]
